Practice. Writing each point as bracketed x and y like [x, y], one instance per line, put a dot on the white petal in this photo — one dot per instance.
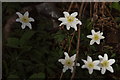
[92, 42]
[105, 57]
[65, 68]
[18, 20]
[110, 69]
[62, 19]
[26, 13]
[93, 32]
[100, 57]
[103, 70]
[96, 67]
[31, 19]
[89, 59]
[23, 26]
[19, 14]
[98, 41]
[73, 64]
[102, 37]
[90, 71]
[111, 61]
[66, 13]
[62, 61]
[98, 32]
[77, 64]
[75, 27]
[71, 69]
[83, 66]
[61, 24]
[74, 14]
[66, 55]
[73, 57]
[101, 33]
[68, 27]
[84, 61]
[90, 36]
[29, 25]
[79, 22]
[96, 62]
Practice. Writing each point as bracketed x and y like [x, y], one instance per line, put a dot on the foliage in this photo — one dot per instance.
[31, 54]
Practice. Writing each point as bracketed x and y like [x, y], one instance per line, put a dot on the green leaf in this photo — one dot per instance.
[12, 76]
[113, 55]
[26, 36]
[13, 42]
[117, 19]
[26, 48]
[93, 48]
[115, 5]
[59, 36]
[37, 75]
[88, 24]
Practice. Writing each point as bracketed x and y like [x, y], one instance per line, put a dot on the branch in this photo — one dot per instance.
[73, 34]
[78, 43]
[68, 11]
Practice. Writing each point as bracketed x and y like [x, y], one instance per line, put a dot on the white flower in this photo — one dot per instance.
[96, 37]
[70, 20]
[24, 19]
[106, 64]
[68, 62]
[90, 65]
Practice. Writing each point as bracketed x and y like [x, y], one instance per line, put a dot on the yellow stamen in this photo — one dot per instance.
[25, 19]
[105, 63]
[96, 37]
[90, 65]
[69, 62]
[70, 19]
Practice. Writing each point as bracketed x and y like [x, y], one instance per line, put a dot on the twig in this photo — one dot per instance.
[103, 9]
[61, 76]
[85, 7]
[95, 16]
[71, 38]
[70, 6]
[78, 43]
[68, 11]
[103, 13]
[90, 9]
[71, 41]
[110, 15]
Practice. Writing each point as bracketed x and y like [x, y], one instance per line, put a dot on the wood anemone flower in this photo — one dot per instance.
[96, 37]
[24, 19]
[105, 64]
[90, 65]
[70, 20]
[68, 62]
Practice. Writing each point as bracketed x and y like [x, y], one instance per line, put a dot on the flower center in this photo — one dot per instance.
[105, 63]
[96, 37]
[70, 19]
[68, 62]
[25, 19]
[90, 65]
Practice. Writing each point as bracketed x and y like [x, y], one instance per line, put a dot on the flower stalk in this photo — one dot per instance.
[78, 43]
